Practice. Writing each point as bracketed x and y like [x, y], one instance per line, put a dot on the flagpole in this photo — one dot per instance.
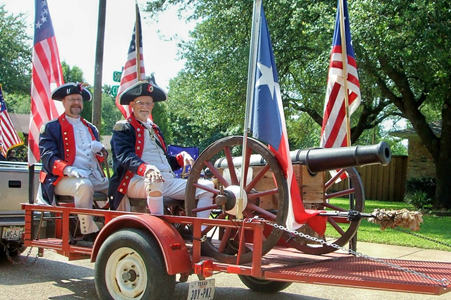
[344, 58]
[249, 96]
[137, 43]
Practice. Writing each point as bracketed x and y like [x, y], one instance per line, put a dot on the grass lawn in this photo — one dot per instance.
[435, 228]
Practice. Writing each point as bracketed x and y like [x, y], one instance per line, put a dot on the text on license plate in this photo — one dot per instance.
[202, 289]
[12, 233]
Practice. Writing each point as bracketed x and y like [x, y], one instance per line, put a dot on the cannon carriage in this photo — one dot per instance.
[265, 193]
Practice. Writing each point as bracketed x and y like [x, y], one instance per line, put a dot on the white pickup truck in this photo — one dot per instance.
[14, 190]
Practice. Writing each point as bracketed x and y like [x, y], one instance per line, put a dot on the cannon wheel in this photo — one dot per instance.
[262, 285]
[222, 243]
[345, 229]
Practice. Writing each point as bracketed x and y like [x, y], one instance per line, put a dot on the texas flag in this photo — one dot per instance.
[268, 125]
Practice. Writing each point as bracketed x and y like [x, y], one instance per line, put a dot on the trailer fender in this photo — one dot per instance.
[171, 243]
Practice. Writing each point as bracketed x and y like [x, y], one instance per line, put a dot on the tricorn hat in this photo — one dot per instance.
[71, 88]
[142, 88]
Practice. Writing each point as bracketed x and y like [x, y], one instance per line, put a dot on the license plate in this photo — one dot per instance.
[12, 233]
[202, 290]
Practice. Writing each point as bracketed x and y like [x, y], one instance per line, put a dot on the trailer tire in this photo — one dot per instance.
[262, 285]
[130, 265]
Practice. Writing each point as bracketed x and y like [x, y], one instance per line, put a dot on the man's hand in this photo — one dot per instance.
[152, 174]
[187, 159]
[96, 146]
[75, 172]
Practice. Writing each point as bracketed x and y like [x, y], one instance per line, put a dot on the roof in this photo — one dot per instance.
[410, 133]
[21, 122]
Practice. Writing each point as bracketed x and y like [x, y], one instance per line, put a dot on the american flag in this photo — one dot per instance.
[47, 74]
[267, 108]
[334, 132]
[8, 134]
[130, 72]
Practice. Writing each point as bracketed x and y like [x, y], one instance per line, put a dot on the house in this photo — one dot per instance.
[420, 162]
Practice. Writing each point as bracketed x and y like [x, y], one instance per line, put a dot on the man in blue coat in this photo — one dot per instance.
[142, 166]
[71, 156]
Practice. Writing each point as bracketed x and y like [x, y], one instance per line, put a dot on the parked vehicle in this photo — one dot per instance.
[14, 190]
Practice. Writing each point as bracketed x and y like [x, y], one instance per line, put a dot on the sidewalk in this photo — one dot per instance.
[400, 252]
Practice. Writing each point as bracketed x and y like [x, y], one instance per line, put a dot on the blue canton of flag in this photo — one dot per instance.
[43, 22]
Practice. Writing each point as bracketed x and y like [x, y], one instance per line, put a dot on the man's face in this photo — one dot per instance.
[73, 105]
[142, 107]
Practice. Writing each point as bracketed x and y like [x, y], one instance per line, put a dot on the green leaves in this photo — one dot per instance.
[15, 53]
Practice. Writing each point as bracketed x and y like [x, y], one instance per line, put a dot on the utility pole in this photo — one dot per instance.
[97, 102]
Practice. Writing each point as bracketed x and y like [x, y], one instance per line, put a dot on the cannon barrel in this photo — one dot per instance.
[324, 159]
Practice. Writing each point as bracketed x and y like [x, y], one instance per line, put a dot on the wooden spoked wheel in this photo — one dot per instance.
[340, 230]
[223, 243]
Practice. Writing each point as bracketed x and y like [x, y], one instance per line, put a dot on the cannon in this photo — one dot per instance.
[325, 159]
[264, 178]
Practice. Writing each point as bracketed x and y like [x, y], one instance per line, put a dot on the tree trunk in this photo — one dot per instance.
[443, 165]
[443, 185]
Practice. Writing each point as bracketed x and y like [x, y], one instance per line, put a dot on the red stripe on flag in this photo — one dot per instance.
[8, 134]
[46, 70]
[130, 71]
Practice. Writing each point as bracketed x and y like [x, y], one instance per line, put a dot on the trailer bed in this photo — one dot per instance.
[349, 271]
[282, 263]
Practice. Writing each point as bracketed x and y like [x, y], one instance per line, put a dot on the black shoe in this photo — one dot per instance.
[90, 237]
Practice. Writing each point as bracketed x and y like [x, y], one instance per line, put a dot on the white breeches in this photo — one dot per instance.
[82, 189]
[171, 187]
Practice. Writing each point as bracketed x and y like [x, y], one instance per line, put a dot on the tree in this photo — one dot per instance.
[402, 52]
[17, 103]
[74, 74]
[15, 53]
[110, 112]
[406, 53]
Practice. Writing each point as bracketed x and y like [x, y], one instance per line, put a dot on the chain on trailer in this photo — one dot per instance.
[422, 237]
[24, 259]
[443, 282]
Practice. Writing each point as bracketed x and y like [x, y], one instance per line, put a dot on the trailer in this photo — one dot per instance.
[136, 252]
[139, 255]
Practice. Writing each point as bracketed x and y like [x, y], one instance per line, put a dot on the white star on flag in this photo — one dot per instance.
[267, 78]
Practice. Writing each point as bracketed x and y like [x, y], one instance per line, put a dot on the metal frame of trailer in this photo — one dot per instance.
[282, 263]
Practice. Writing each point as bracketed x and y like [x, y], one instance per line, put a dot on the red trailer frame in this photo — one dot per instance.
[282, 263]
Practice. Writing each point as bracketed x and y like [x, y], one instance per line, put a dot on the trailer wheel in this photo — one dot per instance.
[343, 228]
[262, 285]
[130, 265]
[223, 243]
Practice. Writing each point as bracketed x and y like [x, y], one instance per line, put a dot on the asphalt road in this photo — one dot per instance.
[54, 277]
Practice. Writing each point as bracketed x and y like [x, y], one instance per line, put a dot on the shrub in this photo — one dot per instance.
[419, 200]
[421, 184]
